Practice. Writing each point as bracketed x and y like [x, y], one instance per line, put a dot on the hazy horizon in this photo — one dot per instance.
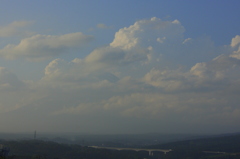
[120, 67]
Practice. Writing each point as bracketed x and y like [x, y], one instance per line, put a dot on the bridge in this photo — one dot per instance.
[150, 151]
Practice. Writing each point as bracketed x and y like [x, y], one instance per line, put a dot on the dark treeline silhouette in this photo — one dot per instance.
[228, 146]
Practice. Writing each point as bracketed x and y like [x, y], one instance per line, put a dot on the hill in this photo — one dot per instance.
[225, 146]
[221, 147]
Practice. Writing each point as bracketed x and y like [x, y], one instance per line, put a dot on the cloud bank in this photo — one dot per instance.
[15, 29]
[149, 78]
[40, 47]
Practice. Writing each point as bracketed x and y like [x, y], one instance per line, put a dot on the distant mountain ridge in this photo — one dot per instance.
[225, 146]
[223, 142]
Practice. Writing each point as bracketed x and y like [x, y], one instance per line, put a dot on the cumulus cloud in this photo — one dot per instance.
[39, 47]
[149, 72]
[217, 74]
[143, 33]
[116, 56]
[236, 54]
[235, 44]
[154, 39]
[235, 41]
[15, 29]
[106, 55]
[140, 42]
[133, 45]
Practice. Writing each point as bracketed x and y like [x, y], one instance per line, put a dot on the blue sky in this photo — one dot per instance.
[120, 66]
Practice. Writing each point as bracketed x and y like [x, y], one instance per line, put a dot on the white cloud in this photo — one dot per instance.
[15, 29]
[235, 44]
[169, 80]
[235, 41]
[236, 54]
[150, 72]
[116, 56]
[144, 32]
[39, 47]
[187, 40]
[140, 43]
[167, 43]
[200, 70]
[106, 55]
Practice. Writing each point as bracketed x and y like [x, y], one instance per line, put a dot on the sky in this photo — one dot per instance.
[118, 67]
